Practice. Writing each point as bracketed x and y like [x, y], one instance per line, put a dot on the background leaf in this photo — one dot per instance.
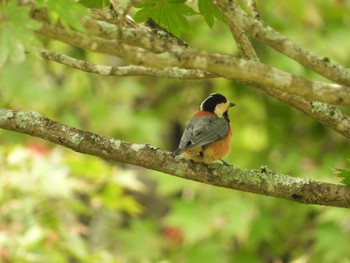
[16, 32]
[209, 11]
[344, 174]
[95, 3]
[66, 11]
[169, 13]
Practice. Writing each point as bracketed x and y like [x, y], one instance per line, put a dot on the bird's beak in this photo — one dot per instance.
[232, 104]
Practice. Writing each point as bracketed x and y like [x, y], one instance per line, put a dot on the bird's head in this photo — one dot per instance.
[217, 104]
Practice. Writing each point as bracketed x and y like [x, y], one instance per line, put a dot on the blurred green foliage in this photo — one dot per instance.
[61, 206]
[169, 13]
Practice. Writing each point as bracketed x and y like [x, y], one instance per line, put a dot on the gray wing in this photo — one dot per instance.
[201, 131]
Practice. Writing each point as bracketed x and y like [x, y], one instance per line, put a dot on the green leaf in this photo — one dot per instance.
[344, 174]
[146, 3]
[171, 14]
[67, 12]
[209, 10]
[142, 15]
[325, 237]
[16, 32]
[94, 3]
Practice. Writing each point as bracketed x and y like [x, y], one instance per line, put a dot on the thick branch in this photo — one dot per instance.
[326, 114]
[130, 33]
[254, 73]
[279, 84]
[271, 80]
[268, 36]
[262, 181]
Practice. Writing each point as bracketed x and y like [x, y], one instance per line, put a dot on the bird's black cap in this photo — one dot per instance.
[210, 103]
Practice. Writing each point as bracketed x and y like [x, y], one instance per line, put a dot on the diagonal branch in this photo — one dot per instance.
[253, 9]
[262, 181]
[268, 36]
[243, 43]
[325, 114]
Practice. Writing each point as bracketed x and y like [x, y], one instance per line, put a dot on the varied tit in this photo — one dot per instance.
[207, 137]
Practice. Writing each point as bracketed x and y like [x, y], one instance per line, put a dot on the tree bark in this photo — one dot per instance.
[260, 181]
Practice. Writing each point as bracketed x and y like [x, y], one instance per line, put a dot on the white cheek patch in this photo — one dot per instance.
[221, 108]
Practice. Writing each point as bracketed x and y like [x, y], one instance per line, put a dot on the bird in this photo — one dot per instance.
[207, 136]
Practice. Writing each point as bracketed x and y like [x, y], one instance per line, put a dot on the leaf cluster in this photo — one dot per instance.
[16, 32]
[50, 204]
[17, 29]
[172, 14]
[67, 12]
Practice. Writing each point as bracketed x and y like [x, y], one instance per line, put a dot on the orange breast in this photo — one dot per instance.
[219, 149]
[211, 152]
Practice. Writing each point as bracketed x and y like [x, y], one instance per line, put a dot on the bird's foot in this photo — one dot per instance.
[225, 163]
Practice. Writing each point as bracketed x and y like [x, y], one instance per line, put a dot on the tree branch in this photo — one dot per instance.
[253, 9]
[130, 33]
[293, 90]
[273, 81]
[326, 114]
[243, 43]
[254, 73]
[322, 112]
[262, 181]
[268, 36]
[172, 73]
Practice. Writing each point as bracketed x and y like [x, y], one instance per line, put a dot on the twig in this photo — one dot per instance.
[253, 9]
[171, 73]
[262, 181]
[326, 114]
[121, 15]
[243, 43]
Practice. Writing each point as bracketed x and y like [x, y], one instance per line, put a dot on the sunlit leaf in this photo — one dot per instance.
[325, 237]
[32, 236]
[129, 205]
[210, 11]
[344, 174]
[169, 13]
[67, 12]
[94, 3]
